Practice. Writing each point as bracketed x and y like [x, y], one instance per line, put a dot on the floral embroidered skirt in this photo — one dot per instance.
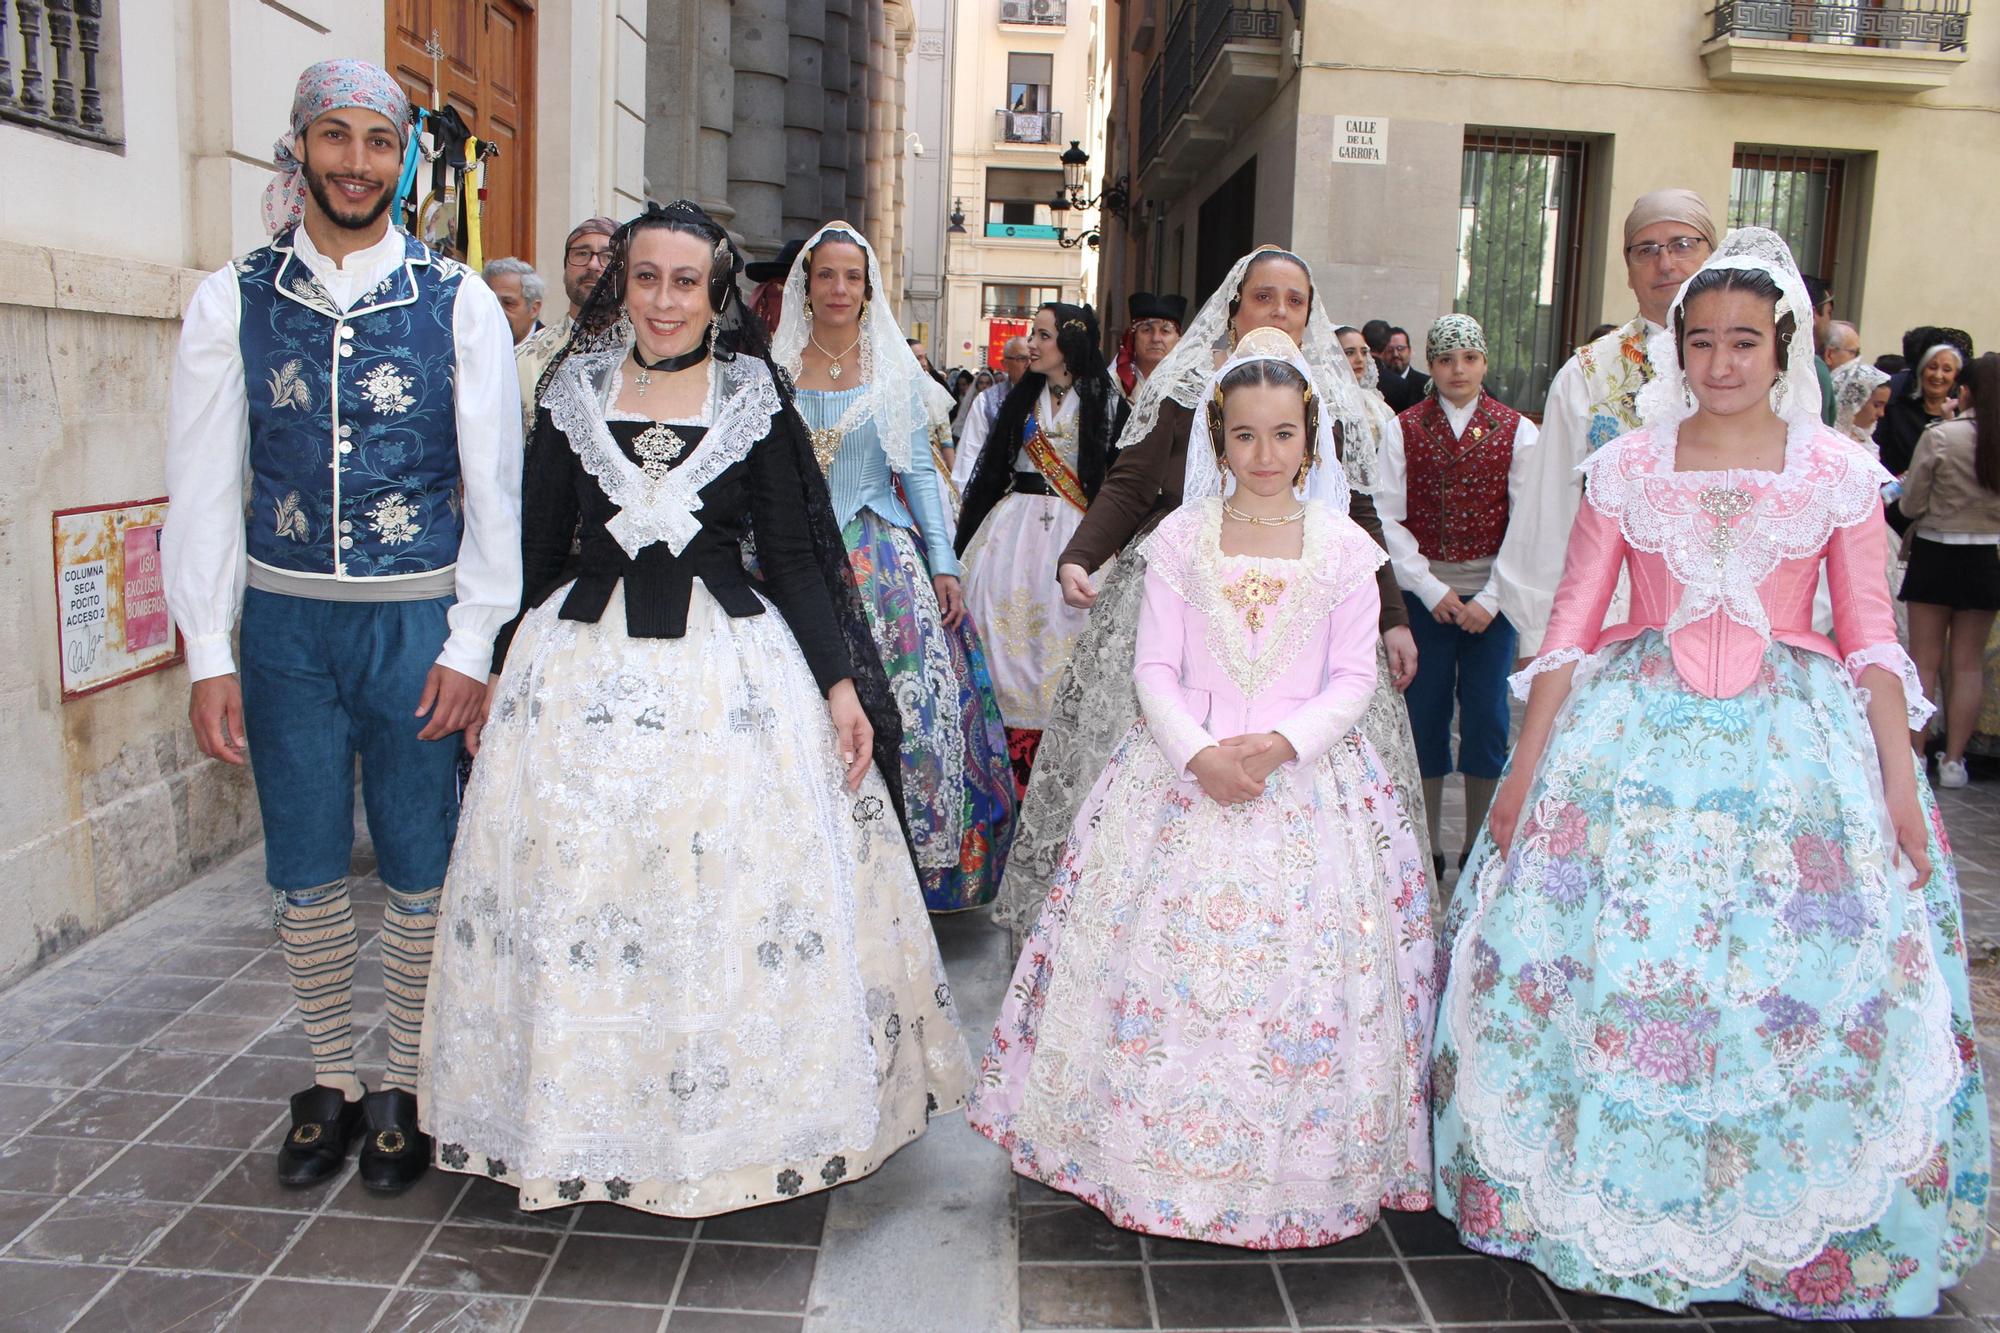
[679, 966]
[1218, 1028]
[1011, 594]
[1700, 1041]
[958, 790]
[1094, 705]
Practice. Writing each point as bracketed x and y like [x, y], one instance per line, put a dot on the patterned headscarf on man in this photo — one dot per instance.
[330, 85]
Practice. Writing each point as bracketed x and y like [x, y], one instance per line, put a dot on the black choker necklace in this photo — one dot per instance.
[667, 365]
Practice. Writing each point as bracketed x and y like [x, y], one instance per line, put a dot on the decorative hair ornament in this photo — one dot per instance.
[1077, 325]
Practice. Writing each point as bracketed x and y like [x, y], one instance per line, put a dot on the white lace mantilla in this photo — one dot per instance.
[1186, 552]
[1724, 533]
[651, 511]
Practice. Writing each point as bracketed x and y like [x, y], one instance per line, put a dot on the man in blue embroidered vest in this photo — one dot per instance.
[1593, 399]
[367, 388]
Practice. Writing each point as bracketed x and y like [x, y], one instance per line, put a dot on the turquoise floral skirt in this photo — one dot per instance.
[1701, 1039]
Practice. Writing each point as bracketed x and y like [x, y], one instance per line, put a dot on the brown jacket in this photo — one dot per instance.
[1941, 491]
[1144, 486]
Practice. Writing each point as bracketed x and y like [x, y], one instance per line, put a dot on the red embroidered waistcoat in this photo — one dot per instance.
[1457, 487]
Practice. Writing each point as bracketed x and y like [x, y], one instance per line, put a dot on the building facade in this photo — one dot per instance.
[1483, 158]
[137, 137]
[1020, 91]
[780, 115]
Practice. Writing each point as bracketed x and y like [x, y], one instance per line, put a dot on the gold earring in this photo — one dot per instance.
[809, 307]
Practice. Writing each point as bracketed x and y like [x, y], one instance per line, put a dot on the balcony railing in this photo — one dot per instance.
[1194, 41]
[994, 310]
[48, 67]
[1029, 127]
[1038, 13]
[1149, 114]
[1937, 24]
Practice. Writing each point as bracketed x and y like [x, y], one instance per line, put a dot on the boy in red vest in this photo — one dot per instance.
[1450, 476]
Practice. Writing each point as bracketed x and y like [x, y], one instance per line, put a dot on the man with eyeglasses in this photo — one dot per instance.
[1013, 364]
[1594, 399]
[584, 257]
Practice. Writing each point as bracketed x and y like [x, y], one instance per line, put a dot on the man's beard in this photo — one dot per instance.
[579, 289]
[340, 214]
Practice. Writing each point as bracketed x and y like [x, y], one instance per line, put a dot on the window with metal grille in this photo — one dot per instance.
[1798, 193]
[1519, 252]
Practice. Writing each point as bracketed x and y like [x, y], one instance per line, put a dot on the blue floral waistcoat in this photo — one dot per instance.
[353, 429]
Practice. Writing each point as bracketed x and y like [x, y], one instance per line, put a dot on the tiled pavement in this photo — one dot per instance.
[142, 1094]
[142, 1087]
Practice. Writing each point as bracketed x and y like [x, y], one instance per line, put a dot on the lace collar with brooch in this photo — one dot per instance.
[657, 500]
[1240, 597]
[1723, 533]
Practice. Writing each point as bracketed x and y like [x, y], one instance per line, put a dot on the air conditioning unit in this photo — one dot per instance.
[1018, 11]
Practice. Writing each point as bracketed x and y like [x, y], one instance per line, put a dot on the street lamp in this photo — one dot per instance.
[1076, 165]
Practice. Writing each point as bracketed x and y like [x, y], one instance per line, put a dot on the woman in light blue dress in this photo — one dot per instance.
[873, 411]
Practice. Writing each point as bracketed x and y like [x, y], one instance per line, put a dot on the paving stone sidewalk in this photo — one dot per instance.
[142, 1090]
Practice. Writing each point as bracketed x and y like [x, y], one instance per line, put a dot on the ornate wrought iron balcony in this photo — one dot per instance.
[1027, 127]
[1219, 65]
[1877, 46]
[48, 67]
[1939, 25]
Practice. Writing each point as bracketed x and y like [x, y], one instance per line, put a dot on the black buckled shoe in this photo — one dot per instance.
[324, 1127]
[394, 1152]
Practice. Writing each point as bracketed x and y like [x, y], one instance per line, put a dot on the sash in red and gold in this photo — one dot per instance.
[1061, 478]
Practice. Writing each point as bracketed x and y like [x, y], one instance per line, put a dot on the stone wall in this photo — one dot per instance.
[105, 804]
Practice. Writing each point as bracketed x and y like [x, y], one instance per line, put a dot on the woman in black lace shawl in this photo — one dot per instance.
[741, 333]
[682, 962]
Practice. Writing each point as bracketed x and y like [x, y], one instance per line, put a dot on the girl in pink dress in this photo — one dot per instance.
[1707, 1035]
[1217, 1028]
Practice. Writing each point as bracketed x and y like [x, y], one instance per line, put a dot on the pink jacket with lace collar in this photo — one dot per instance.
[1233, 645]
[1723, 563]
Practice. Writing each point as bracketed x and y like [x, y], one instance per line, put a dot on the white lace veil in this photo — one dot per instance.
[1185, 373]
[1205, 477]
[1668, 400]
[900, 395]
[1854, 382]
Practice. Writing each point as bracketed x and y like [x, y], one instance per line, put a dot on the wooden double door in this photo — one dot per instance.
[488, 73]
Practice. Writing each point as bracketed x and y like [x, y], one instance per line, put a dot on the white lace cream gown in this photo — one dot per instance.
[680, 967]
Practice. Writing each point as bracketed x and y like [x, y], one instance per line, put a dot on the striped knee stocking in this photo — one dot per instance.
[316, 926]
[407, 929]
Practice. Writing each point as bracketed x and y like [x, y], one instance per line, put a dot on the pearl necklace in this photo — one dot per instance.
[1241, 517]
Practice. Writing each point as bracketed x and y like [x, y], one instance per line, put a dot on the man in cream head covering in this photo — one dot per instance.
[1593, 399]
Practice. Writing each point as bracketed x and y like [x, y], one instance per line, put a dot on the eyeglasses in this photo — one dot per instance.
[1648, 252]
[583, 256]
[1018, 356]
